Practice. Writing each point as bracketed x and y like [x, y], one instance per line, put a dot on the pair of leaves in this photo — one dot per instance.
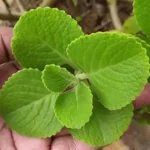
[69, 104]
[113, 62]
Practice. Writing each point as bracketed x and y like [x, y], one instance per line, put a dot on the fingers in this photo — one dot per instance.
[28, 143]
[6, 141]
[63, 132]
[68, 143]
[5, 48]
[144, 98]
[6, 70]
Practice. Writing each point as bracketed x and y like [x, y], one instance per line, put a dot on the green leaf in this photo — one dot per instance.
[41, 37]
[105, 126]
[57, 79]
[144, 38]
[116, 65]
[74, 108]
[142, 42]
[27, 106]
[142, 11]
[145, 45]
[130, 26]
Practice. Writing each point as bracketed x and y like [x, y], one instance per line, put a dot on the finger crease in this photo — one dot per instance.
[14, 65]
[74, 144]
[50, 145]
[5, 48]
[3, 126]
[13, 141]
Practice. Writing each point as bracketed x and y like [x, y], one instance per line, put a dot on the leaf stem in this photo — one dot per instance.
[81, 76]
[114, 14]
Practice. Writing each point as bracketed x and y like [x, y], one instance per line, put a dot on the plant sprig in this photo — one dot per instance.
[108, 71]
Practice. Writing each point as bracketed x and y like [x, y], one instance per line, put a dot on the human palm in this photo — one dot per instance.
[10, 140]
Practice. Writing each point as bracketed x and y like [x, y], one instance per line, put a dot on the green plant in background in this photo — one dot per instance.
[130, 26]
[137, 24]
[94, 101]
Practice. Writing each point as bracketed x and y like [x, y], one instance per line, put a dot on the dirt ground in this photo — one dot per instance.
[92, 16]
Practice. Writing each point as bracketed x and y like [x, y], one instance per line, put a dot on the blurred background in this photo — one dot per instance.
[92, 16]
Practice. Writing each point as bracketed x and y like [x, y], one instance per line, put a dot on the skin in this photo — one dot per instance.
[10, 140]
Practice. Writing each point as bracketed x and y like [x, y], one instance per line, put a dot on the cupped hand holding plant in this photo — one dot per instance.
[10, 139]
[63, 140]
[85, 83]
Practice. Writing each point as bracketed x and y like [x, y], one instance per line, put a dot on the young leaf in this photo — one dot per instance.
[142, 11]
[27, 106]
[74, 108]
[41, 37]
[116, 65]
[57, 79]
[130, 26]
[105, 126]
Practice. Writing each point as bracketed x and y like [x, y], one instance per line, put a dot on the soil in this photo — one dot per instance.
[92, 16]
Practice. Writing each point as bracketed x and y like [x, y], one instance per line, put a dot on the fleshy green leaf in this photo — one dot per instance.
[74, 108]
[130, 26]
[145, 45]
[144, 38]
[142, 11]
[27, 106]
[41, 37]
[57, 79]
[105, 126]
[116, 65]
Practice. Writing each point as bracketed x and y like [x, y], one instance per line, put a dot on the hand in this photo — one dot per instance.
[10, 140]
